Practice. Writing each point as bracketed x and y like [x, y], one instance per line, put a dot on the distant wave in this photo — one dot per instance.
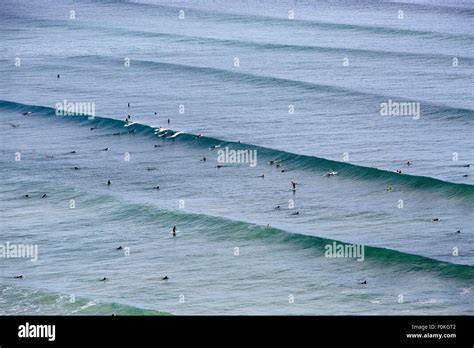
[313, 23]
[429, 109]
[291, 160]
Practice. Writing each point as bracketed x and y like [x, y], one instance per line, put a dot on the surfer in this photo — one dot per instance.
[59, 76]
[72, 152]
[168, 121]
[92, 128]
[18, 277]
[27, 113]
[203, 159]
[408, 163]
[106, 149]
[44, 196]
[296, 213]
[435, 219]
[156, 187]
[27, 196]
[364, 282]
[277, 207]
[399, 171]
[128, 105]
[293, 185]
[389, 188]
[165, 278]
[219, 166]
[76, 168]
[104, 279]
[109, 183]
[458, 231]
[119, 248]
[174, 231]
[262, 176]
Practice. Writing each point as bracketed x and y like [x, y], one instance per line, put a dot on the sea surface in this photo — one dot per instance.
[301, 83]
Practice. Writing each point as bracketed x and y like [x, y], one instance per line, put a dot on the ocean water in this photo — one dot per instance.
[300, 82]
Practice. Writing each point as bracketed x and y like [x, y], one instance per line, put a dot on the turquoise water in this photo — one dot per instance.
[234, 252]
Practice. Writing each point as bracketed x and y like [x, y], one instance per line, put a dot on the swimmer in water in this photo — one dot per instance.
[277, 207]
[156, 187]
[364, 282]
[59, 76]
[109, 183]
[26, 196]
[262, 176]
[18, 277]
[92, 128]
[174, 231]
[165, 278]
[44, 196]
[435, 219]
[408, 163]
[119, 248]
[72, 152]
[104, 279]
[296, 213]
[106, 149]
[458, 231]
[168, 121]
[203, 159]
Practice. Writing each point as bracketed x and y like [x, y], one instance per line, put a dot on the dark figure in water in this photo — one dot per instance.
[19, 277]
[156, 114]
[262, 176]
[106, 149]
[277, 207]
[458, 231]
[156, 187]
[364, 282]
[104, 279]
[72, 151]
[76, 168]
[165, 278]
[119, 248]
[92, 128]
[59, 76]
[282, 170]
[44, 196]
[219, 166]
[293, 185]
[174, 231]
[297, 213]
[203, 159]
[109, 183]
[408, 163]
[168, 121]
[435, 219]
[26, 196]
[128, 105]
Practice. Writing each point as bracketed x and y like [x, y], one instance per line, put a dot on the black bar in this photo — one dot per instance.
[192, 330]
